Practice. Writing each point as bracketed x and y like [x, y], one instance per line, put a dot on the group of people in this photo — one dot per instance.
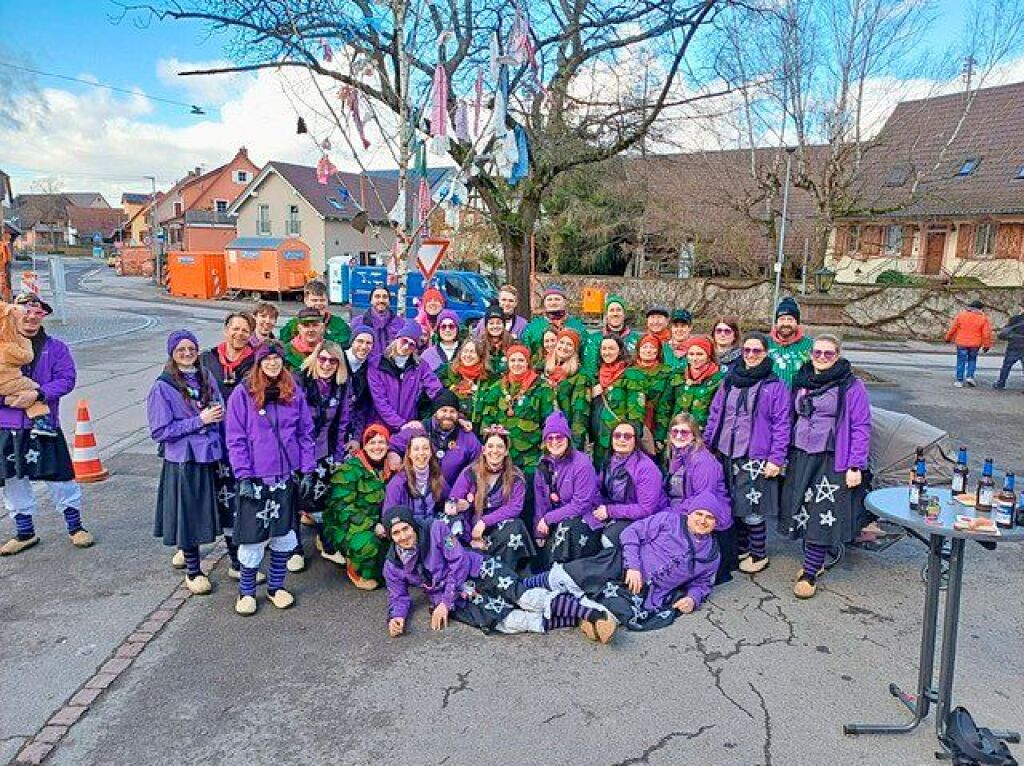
[971, 333]
[526, 474]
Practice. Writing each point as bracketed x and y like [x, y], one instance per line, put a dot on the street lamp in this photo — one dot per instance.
[824, 278]
[780, 260]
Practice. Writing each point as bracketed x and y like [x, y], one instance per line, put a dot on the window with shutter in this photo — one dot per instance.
[964, 241]
[908, 241]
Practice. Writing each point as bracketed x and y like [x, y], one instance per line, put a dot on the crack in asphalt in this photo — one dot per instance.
[555, 717]
[716, 673]
[461, 686]
[644, 757]
[767, 724]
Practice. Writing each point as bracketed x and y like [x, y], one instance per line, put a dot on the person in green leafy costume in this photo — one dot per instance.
[497, 340]
[695, 387]
[555, 315]
[570, 385]
[519, 401]
[615, 310]
[352, 513]
[674, 348]
[657, 385]
[467, 376]
[618, 395]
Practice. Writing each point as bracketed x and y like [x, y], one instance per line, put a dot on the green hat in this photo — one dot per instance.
[613, 298]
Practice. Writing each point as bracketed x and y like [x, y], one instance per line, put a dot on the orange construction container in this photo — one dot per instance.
[196, 275]
[267, 264]
[593, 300]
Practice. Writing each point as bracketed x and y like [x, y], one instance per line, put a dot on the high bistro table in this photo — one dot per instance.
[893, 504]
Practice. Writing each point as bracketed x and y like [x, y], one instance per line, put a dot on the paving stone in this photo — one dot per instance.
[173, 602]
[129, 650]
[100, 681]
[85, 697]
[67, 715]
[140, 638]
[150, 626]
[161, 616]
[116, 665]
[50, 734]
[34, 753]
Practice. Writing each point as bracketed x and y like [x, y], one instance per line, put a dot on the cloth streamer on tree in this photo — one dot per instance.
[439, 112]
[350, 97]
[462, 121]
[521, 168]
[324, 170]
[425, 204]
[328, 54]
[478, 99]
[501, 103]
[520, 42]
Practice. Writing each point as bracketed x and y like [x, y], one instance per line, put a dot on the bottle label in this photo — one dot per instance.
[985, 496]
[915, 495]
[959, 485]
[1002, 514]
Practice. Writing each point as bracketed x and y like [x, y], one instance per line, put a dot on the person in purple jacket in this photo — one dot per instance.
[454, 445]
[489, 495]
[358, 400]
[398, 379]
[184, 410]
[693, 470]
[419, 484]
[479, 589]
[380, 321]
[508, 302]
[664, 566]
[565, 488]
[323, 376]
[748, 426]
[25, 458]
[269, 440]
[441, 351]
[823, 492]
[630, 485]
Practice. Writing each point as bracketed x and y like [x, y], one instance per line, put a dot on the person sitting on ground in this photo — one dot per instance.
[16, 354]
[336, 329]
[970, 332]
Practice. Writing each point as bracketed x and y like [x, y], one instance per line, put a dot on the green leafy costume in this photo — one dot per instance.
[694, 398]
[657, 387]
[522, 414]
[676, 361]
[336, 329]
[572, 396]
[468, 396]
[789, 358]
[352, 511]
[533, 335]
[623, 400]
[292, 358]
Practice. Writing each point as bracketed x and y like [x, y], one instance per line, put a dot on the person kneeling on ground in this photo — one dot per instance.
[665, 567]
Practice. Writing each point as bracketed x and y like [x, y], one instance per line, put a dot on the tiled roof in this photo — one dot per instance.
[331, 200]
[88, 220]
[134, 198]
[925, 141]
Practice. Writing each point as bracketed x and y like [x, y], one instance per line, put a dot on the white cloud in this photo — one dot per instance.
[204, 90]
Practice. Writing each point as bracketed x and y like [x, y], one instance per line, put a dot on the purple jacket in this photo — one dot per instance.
[573, 480]
[440, 566]
[330, 416]
[670, 556]
[853, 429]
[175, 425]
[459, 448]
[383, 327]
[497, 507]
[396, 393]
[434, 358]
[256, 449]
[770, 427]
[693, 472]
[516, 331]
[424, 508]
[358, 403]
[54, 371]
[634, 491]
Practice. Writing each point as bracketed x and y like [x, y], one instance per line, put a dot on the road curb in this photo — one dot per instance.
[116, 664]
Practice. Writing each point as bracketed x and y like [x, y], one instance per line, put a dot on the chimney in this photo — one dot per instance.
[243, 152]
[198, 171]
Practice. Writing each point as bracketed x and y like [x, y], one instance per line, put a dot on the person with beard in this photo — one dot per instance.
[679, 333]
[398, 380]
[656, 383]
[569, 384]
[270, 443]
[555, 315]
[25, 458]
[467, 376]
[617, 395]
[823, 490]
[358, 404]
[352, 512]
[454, 447]
[265, 320]
[445, 343]
[496, 340]
[695, 387]
[314, 296]
[748, 427]
[789, 347]
[380, 321]
[309, 335]
[508, 302]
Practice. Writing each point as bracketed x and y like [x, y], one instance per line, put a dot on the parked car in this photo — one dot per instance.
[466, 293]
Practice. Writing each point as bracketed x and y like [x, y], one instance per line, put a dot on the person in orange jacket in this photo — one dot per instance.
[970, 332]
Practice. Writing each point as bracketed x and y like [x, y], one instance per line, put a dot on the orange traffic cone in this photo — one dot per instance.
[85, 455]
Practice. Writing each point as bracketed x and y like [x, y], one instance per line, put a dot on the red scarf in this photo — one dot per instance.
[523, 381]
[662, 335]
[706, 372]
[609, 373]
[301, 346]
[557, 375]
[229, 366]
[468, 377]
[795, 339]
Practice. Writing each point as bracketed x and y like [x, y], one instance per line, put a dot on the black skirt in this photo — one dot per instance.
[186, 504]
[23, 456]
[567, 541]
[817, 505]
[317, 499]
[752, 493]
[271, 513]
[227, 494]
[485, 600]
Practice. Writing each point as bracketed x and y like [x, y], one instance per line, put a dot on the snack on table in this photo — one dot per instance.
[975, 524]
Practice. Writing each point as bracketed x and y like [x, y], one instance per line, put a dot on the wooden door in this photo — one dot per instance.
[936, 246]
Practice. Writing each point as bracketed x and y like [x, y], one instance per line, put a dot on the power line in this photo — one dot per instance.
[193, 109]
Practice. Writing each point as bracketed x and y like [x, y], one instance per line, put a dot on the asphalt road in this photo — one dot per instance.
[755, 678]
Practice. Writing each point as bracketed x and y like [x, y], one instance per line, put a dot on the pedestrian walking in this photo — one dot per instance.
[1013, 334]
[970, 332]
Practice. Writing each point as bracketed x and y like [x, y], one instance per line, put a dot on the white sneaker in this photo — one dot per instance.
[971, 382]
[958, 384]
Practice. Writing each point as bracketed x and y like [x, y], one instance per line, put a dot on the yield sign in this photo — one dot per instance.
[429, 256]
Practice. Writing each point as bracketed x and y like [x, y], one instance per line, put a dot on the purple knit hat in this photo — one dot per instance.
[449, 315]
[410, 330]
[177, 336]
[557, 424]
[708, 501]
[273, 348]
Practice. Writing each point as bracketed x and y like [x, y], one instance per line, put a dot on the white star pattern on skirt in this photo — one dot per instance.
[561, 532]
[802, 518]
[611, 590]
[755, 468]
[515, 542]
[826, 519]
[808, 495]
[257, 490]
[583, 540]
[269, 512]
[753, 497]
[223, 471]
[496, 604]
[224, 496]
[489, 567]
[665, 614]
[319, 489]
[32, 456]
[825, 491]
[504, 583]
[321, 471]
[278, 485]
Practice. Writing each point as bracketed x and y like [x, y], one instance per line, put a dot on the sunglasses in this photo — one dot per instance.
[680, 431]
[326, 359]
[724, 331]
[447, 326]
[623, 436]
[754, 351]
[556, 438]
[828, 356]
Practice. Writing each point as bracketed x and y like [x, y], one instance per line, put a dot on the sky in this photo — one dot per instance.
[88, 138]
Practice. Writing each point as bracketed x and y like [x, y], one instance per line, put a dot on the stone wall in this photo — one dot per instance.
[923, 313]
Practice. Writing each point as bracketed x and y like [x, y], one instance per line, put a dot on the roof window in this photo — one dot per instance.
[969, 166]
[335, 203]
[1020, 174]
[898, 176]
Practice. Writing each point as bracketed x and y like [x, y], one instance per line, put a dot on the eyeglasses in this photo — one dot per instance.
[326, 359]
[447, 326]
[555, 438]
[190, 349]
[820, 353]
[680, 431]
[724, 331]
[623, 436]
[751, 351]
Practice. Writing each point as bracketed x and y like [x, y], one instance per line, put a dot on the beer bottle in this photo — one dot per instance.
[918, 457]
[986, 489]
[1005, 503]
[960, 473]
[919, 487]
